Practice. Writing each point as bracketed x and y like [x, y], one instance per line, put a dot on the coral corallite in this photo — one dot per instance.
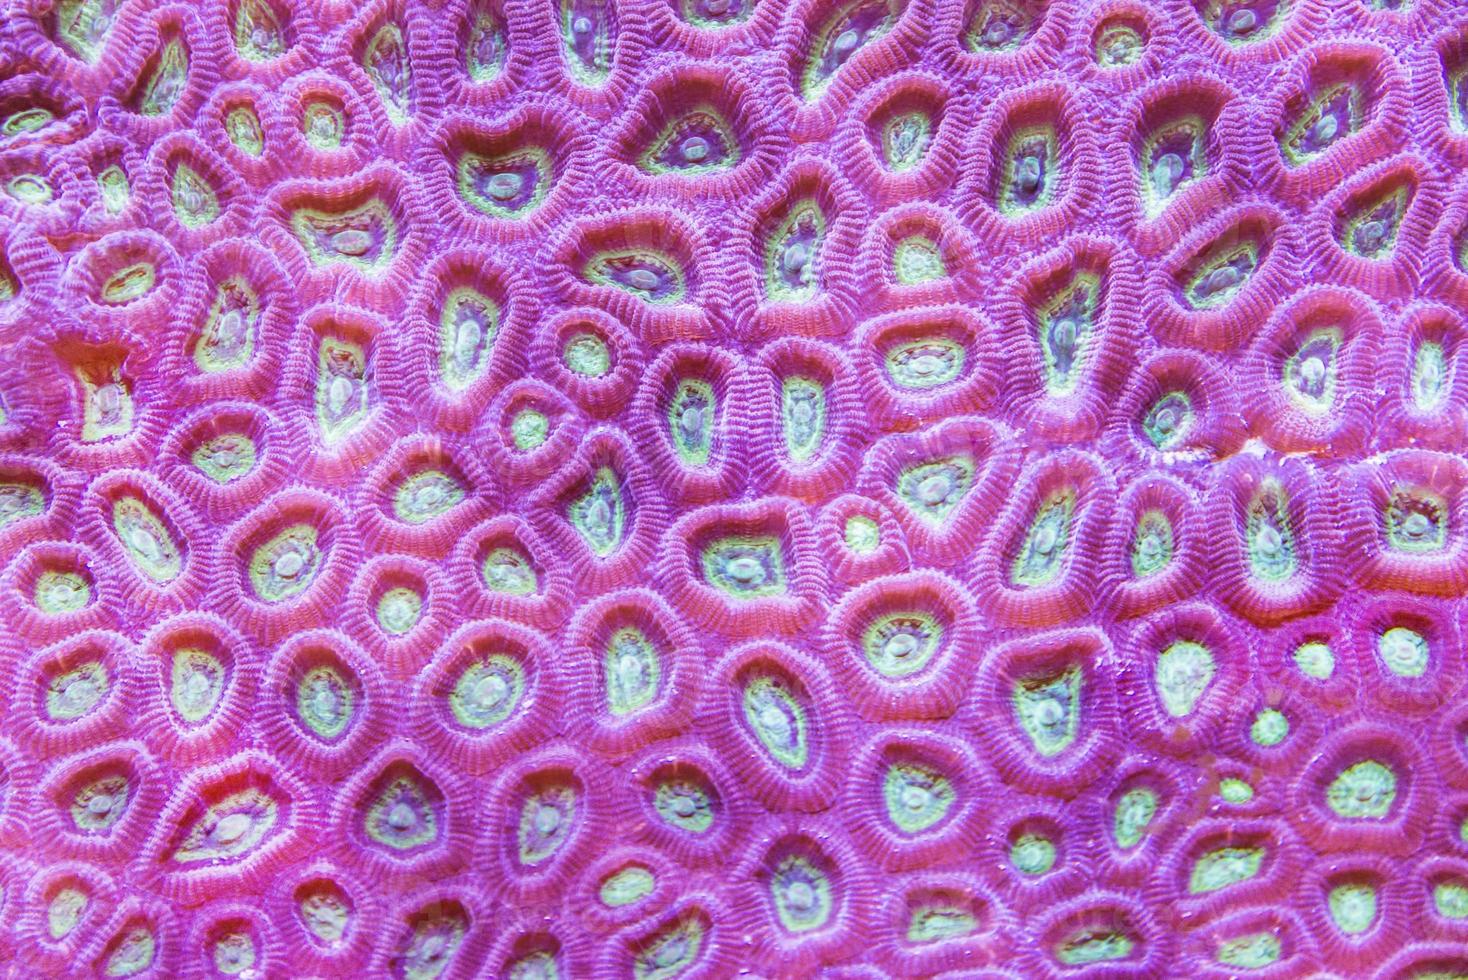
[707, 488]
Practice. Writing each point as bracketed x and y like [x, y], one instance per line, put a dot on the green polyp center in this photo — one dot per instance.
[933, 489]
[385, 60]
[671, 951]
[325, 911]
[1315, 659]
[82, 26]
[626, 886]
[76, 692]
[905, 138]
[1152, 544]
[1095, 945]
[1235, 791]
[600, 515]
[801, 893]
[107, 408]
[326, 700]
[1310, 375]
[690, 420]
[225, 458]
[196, 683]
[403, 816]
[426, 495]
[918, 259]
[431, 947]
[230, 828]
[258, 33]
[1431, 376]
[696, 142]
[1221, 275]
[195, 202]
[1251, 952]
[1269, 535]
[1352, 907]
[846, 31]
[1416, 521]
[587, 355]
[19, 501]
[146, 540]
[935, 921]
[131, 952]
[901, 644]
[917, 797]
[227, 339]
[746, 566]
[1404, 651]
[1364, 790]
[1169, 419]
[234, 953]
[994, 26]
[1134, 813]
[28, 120]
[862, 534]
[341, 388]
[529, 429]
[1223, 867]
[589, 34]
[684, 804]
[509, 571]
[485, 48]
[30, 189]
[1184, 671]
[113, 186]
[487, 691]
[59, 592]
[165, 86]
[1042, 553]
[652, 277]
[1065, 326]
[364, 237]
[778, 720]
[545, 823]
[1031, 177]
[286, 565]
[243, 127]
[793, 254]
[540, 965]
[1372, 231]
[924, 363]
[324, 124]
[101, 803]
[1118, 45]
[802, 416]
[1450, 898]
[1270, 728]
[1244, 21]
[399, 610]
[505, 185]
[1032, 854]
[633, 671]
[1336, 113]
[714, 14]
[1173, 156]
[64, 912]
[1049, 709]
[128, 283]
[468, 327]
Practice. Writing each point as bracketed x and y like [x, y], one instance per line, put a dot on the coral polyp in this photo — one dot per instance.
[705, 488]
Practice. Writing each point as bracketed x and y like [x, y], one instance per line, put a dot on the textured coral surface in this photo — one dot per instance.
[680, 488]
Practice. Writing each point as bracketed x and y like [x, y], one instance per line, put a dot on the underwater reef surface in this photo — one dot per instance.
[686, 488]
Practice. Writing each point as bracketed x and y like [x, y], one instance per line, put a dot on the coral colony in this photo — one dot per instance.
[686, 488]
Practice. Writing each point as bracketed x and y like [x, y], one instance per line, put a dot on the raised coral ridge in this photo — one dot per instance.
[697, 488]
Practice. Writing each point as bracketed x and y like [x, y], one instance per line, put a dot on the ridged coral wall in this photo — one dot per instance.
[677, 488]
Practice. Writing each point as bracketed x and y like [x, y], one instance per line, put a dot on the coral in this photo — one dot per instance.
[696, 488]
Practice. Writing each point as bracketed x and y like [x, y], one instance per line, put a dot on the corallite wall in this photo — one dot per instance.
[706, 488]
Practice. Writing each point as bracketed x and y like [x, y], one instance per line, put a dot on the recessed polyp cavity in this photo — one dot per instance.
[845, 31]
[362, 235]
